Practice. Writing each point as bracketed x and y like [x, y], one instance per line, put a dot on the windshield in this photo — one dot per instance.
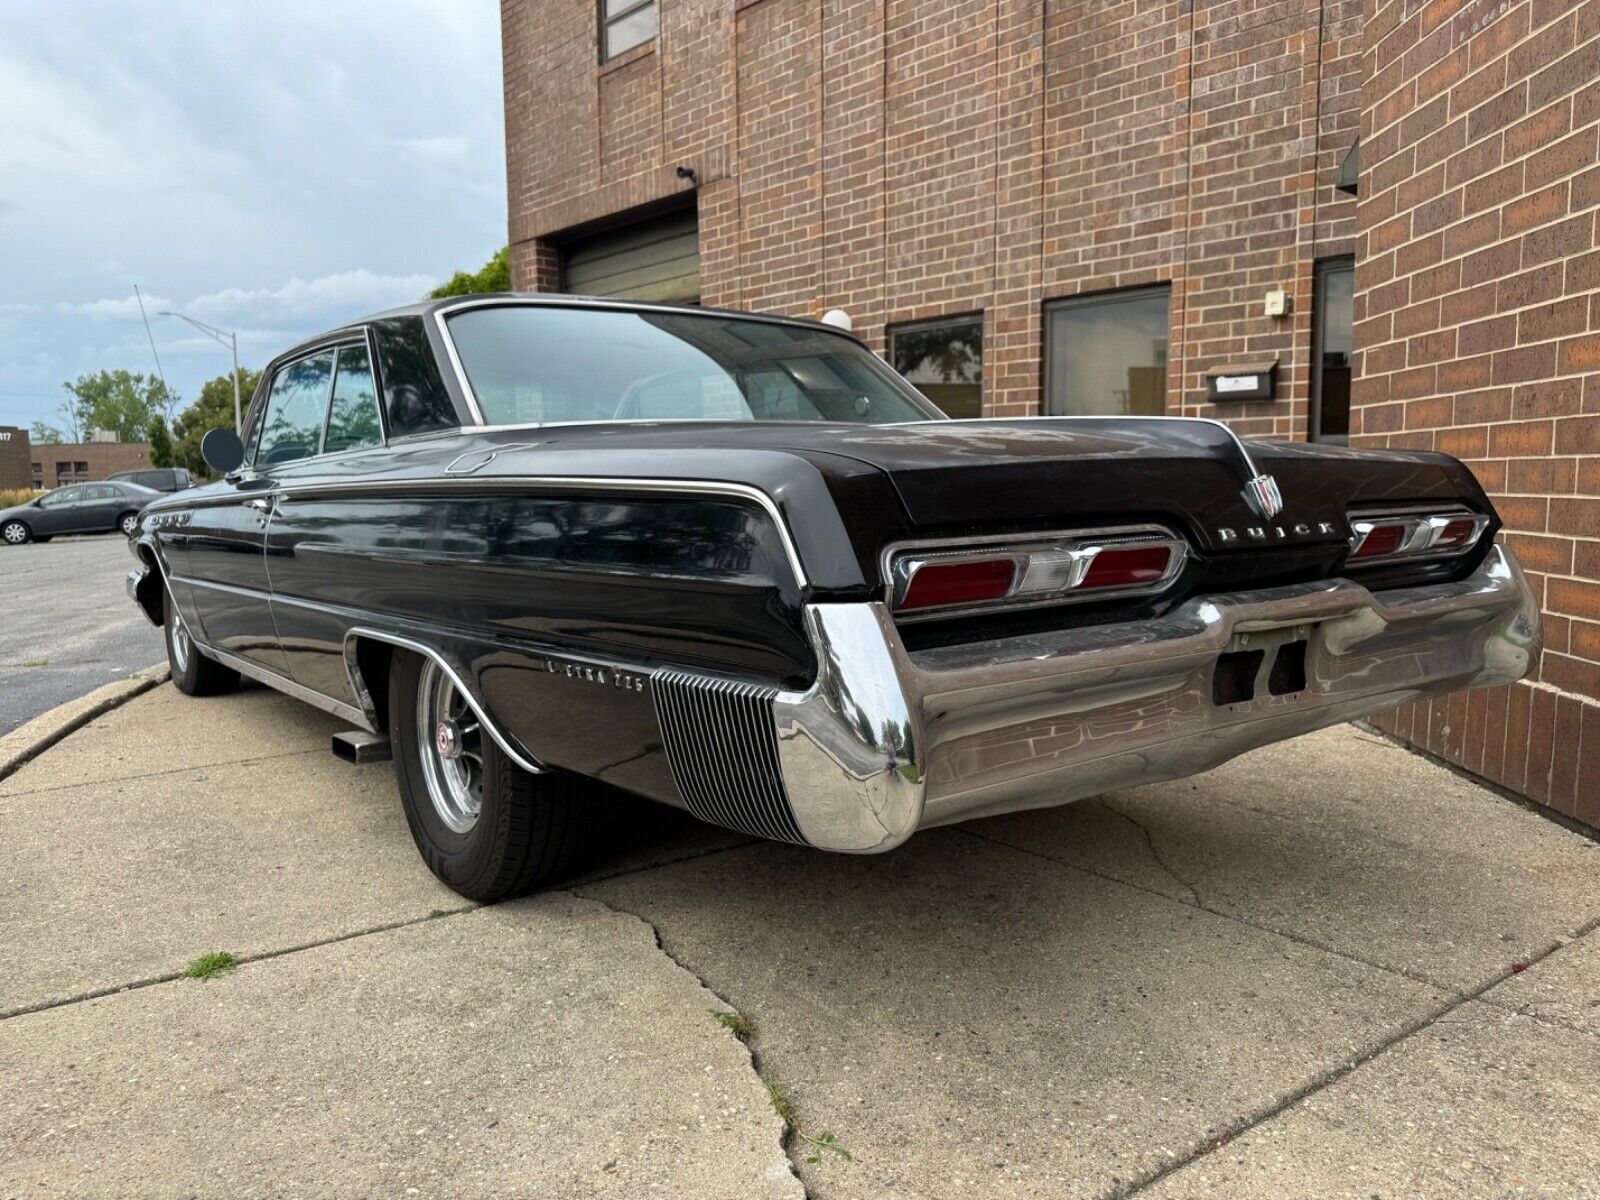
[535, 364]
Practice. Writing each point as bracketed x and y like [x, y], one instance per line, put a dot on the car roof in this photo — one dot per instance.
[426, 308]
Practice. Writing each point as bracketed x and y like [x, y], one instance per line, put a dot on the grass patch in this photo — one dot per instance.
[733, 1023]
[209, 966]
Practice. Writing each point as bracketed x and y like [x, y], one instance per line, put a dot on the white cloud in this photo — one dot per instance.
[343, 294]
[125, 309]
[433, 151]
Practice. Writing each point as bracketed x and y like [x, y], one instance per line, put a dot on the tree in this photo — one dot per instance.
[45, 435]
[119, 402]
[160, 439]
[493, 276]
[212, 410]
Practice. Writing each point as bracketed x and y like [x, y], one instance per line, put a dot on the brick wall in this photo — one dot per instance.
[1478, 333]
[906, 159]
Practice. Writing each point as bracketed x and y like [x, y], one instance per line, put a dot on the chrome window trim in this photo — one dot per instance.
[689, 487]
[347, 336]
[980, 548]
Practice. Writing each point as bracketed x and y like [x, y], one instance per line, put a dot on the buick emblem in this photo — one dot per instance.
[1263, 497]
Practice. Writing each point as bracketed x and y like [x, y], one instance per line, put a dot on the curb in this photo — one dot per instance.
[29, 740]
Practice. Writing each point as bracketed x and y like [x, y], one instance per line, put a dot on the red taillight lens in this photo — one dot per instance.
[1127, 568]
[1454, 534]
[940, 584]
[1380, 539]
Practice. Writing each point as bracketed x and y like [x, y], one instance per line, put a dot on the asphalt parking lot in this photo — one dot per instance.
[69, 626]
[1330, 968]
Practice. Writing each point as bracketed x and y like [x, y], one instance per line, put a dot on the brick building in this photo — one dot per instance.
[1036, 206]
[24, 465]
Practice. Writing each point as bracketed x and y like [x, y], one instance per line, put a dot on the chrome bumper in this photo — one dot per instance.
[889, 741]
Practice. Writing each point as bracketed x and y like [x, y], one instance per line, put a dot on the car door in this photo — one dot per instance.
[224, 544]
[304, 556]
[102, 504]
[57, 511]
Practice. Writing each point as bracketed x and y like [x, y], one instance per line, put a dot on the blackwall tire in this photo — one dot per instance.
[15, 533]
[192, 672]
[508, 832]
[128, 522]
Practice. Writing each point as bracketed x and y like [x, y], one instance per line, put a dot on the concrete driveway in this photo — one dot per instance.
[1327, 969]
[69, 627]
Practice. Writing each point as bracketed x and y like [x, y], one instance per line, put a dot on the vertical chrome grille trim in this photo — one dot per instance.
[722, 747]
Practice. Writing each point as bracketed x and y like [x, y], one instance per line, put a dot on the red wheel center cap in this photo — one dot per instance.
[447, 739]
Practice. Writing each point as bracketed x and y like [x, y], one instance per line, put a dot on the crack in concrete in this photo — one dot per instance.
[1317, 1083]
[787, 1140]
[240, 960]
[233, 762]
[1300, 939]
[1155, 854]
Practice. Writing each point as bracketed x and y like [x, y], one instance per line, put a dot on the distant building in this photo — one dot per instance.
[24, 465]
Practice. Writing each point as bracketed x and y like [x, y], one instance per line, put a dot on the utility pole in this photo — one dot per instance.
[231, 340]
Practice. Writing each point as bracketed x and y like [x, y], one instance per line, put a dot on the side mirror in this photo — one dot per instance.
[222, 450]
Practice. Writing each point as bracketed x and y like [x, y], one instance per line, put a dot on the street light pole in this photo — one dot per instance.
[231, 340]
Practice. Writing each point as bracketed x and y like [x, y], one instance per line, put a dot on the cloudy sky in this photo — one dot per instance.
[273, 168]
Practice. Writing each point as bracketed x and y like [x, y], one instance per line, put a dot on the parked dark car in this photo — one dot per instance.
[75, 508]
[737, 565]
[160, 479]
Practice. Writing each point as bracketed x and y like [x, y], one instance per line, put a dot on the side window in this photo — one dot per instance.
[101, 491]
[70, 495]
[353, 415]
[291, 427]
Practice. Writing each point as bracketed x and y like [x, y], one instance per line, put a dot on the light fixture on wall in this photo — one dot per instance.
[687, 174]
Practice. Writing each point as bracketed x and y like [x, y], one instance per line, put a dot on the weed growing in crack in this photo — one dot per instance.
[823, 1141]
[782, 1105]
[209, 966]
[733, 1023]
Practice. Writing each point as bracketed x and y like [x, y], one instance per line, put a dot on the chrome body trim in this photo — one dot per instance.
[453, 671]
[282, 683]
[889, 741]
[680, 487]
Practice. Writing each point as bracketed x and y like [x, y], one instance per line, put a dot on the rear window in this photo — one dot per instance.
[532, 364]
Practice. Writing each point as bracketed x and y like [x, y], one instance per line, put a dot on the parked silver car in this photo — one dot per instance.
[77, 508]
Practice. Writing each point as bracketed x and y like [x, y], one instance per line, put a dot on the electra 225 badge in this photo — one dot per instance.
[623, 681]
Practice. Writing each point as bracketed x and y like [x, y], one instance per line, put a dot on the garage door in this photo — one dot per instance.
[657, 259]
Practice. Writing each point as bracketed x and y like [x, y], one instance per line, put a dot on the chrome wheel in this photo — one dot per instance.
[180, 639]
[450, 745]
[15, 533]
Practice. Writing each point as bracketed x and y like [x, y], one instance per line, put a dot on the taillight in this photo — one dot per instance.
[935, 585]
[1065, 568]
[1414, 535]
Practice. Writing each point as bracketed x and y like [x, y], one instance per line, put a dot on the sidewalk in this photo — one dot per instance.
[1327, 969]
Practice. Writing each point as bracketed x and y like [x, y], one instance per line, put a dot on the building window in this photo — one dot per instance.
[1107, 354]
[1332, 308]
[944, 360]
[625, 24]
[80, 470]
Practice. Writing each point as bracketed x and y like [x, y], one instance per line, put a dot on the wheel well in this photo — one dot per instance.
[373, 660]
[16, 521]
[150, 588]
[127, 512]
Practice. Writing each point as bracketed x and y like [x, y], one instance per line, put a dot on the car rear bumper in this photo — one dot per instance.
[889, 741]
